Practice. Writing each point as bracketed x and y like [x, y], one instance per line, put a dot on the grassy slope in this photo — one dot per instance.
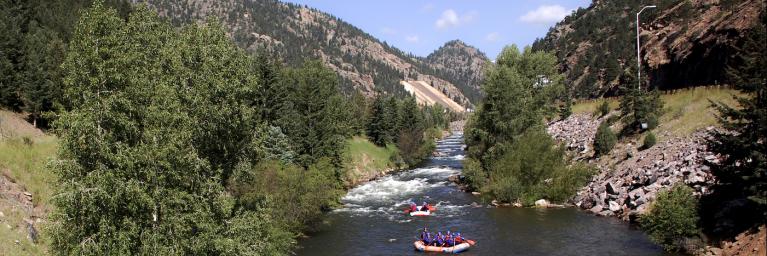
[684, 112]
[366, 159]
[25, 165]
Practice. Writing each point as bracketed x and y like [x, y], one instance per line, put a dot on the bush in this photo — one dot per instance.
[604, 140]
[603, 109]
[532, 168]
[649, 140]
[672, 217]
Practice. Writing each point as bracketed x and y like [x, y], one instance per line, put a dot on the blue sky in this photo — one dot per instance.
[422, 26]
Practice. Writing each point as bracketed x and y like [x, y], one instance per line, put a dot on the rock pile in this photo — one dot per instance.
[576, 131]
[628, 182]
[626, 189]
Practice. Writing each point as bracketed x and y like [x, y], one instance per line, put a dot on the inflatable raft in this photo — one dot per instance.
[420, 246]
[421, 213]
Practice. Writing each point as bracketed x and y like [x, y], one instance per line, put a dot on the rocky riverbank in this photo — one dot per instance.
[630, 178]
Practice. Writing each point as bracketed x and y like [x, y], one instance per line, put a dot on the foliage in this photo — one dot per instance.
[649, 140]
[603, 109]
[604, 139]
[534, 168]
[510, 155]
[567, 107]
[34, 36]
[742, 173]
[297, 195]
[640, 108]
[672, 217]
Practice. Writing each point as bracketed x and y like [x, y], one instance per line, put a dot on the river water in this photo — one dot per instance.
[372, 221]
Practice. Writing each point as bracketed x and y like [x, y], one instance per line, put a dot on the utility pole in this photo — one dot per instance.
[639, 60]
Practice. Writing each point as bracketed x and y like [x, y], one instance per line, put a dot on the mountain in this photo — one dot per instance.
[294, 33]
[684, 43]
[461, 64]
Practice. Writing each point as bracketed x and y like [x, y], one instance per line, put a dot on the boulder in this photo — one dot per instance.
[543, 203]
[614, 206]
[610, 188]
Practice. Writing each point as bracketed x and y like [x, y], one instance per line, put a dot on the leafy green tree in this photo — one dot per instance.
[672, 217]
[134, 177]
[604, 139]
[510, 155]
[10, 54]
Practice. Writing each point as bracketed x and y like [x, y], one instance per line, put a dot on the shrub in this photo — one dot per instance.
[532, 168]
[672, 217]
[649, 140]
[603, 109]
[604, 140]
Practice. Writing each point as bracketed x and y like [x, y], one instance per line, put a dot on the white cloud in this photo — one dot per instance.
[492, 37]
[545, 14]
[450, 18]
[388, 31]
[412, 39]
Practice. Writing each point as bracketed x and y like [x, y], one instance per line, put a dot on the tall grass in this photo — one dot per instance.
[365, 158]
[684, 111]
[23, 160]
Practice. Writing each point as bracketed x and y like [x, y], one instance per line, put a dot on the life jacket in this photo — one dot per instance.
[458, 239]
[413, 208]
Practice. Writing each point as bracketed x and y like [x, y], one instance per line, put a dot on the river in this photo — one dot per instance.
[372, 221]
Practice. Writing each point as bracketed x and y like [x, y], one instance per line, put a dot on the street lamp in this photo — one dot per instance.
[639, 63]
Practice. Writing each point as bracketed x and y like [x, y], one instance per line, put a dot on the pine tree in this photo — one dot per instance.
[744, 169]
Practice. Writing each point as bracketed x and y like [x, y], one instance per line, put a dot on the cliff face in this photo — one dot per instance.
[684, 43]
[294, 33]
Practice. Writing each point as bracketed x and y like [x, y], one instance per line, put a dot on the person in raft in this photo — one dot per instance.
[449, 240]
[413, 207]
[439, 240]
[425, 207]
[426, 236]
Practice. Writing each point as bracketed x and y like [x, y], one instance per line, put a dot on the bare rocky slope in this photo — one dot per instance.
[294, 33]
[684, 42]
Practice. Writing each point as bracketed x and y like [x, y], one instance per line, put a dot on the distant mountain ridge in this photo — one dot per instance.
[684, 43]
[462, 64]
[296, 32]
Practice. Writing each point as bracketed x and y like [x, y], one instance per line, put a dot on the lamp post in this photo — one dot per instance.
[639, 61]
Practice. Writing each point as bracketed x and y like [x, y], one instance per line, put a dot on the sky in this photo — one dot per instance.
[422, 26]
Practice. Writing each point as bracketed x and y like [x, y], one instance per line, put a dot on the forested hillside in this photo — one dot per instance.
[461, 64]
[684, 43]
[296, 32]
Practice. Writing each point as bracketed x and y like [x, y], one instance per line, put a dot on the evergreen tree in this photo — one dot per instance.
[378, 125]
[743, 172]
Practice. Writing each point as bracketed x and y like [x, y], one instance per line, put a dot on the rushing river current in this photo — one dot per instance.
[372, 221]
